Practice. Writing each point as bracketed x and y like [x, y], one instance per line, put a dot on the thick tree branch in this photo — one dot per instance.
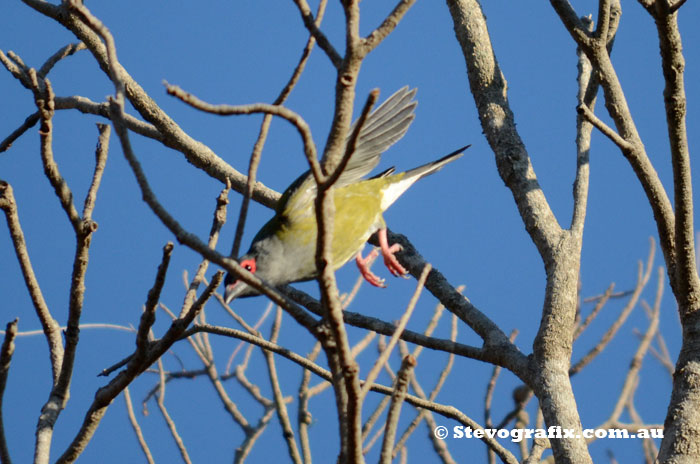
[619, 111]
[673, 66]
[488, 87]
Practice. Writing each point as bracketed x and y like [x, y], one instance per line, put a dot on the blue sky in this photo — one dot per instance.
[462, 219]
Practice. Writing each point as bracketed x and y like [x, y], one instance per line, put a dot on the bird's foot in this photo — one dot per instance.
[390, 260]
[363, 266]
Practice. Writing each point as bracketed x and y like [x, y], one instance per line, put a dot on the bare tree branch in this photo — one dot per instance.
[642, 280]
[51, 328]
[6, 352]
[255, 108]
[388, 25]
[594, 312]
[136, 427]
[280, 406]
[379, 364]
[400, 387]
[174, 137]
[304, 417]
[313, 27]
[28, 123]
[166, 416]
[610, 133]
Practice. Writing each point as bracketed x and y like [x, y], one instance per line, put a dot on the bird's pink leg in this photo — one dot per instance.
[363, 266]
[390, 260]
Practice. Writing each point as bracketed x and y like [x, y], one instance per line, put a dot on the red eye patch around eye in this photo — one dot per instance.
[249, 265]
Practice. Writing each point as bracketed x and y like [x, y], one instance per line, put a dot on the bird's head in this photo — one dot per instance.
[267, 260]
[235, 288]
[277, 256]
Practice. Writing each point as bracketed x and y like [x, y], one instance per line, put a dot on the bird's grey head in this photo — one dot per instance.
[235, 288]
[265, 261]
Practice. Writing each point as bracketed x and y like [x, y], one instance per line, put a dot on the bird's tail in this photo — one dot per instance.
[405, 179]
[426, 169]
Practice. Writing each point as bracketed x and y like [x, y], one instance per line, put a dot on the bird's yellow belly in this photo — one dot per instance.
[357, 216]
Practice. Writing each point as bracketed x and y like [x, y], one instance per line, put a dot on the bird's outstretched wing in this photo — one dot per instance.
[383, 127]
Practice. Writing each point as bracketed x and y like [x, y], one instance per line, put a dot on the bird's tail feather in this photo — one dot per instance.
[394, 190]
[426, 169]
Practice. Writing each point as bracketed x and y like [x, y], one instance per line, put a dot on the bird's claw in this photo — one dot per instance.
[373, 279]
[363, 266]
[391, 262]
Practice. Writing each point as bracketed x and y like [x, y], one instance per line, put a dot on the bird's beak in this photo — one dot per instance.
[233, 290]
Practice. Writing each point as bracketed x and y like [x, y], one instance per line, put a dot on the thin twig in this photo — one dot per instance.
[218, 221]
[648, 445]
[136, 427]
[148, 317]
[242, 451]
[594, 312]
[613, 296]
[439, 446]
[587, 93]
[642, 279]
[632, 377]
[644, 344]
[304, 417]
[388, 25]
[312, 26]
[280, 406]
[100, 162]
[62, 53]
[28, 123]
[604, 128]
[86, 326]
[444, 410]
[490, 388]
[252, 330]
[374, 372]
[397, 398]
[44, 98]
[256, 108]
[166, 416]
[87, 106]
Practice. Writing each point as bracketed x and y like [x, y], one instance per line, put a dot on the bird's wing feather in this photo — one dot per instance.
[383, 127]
